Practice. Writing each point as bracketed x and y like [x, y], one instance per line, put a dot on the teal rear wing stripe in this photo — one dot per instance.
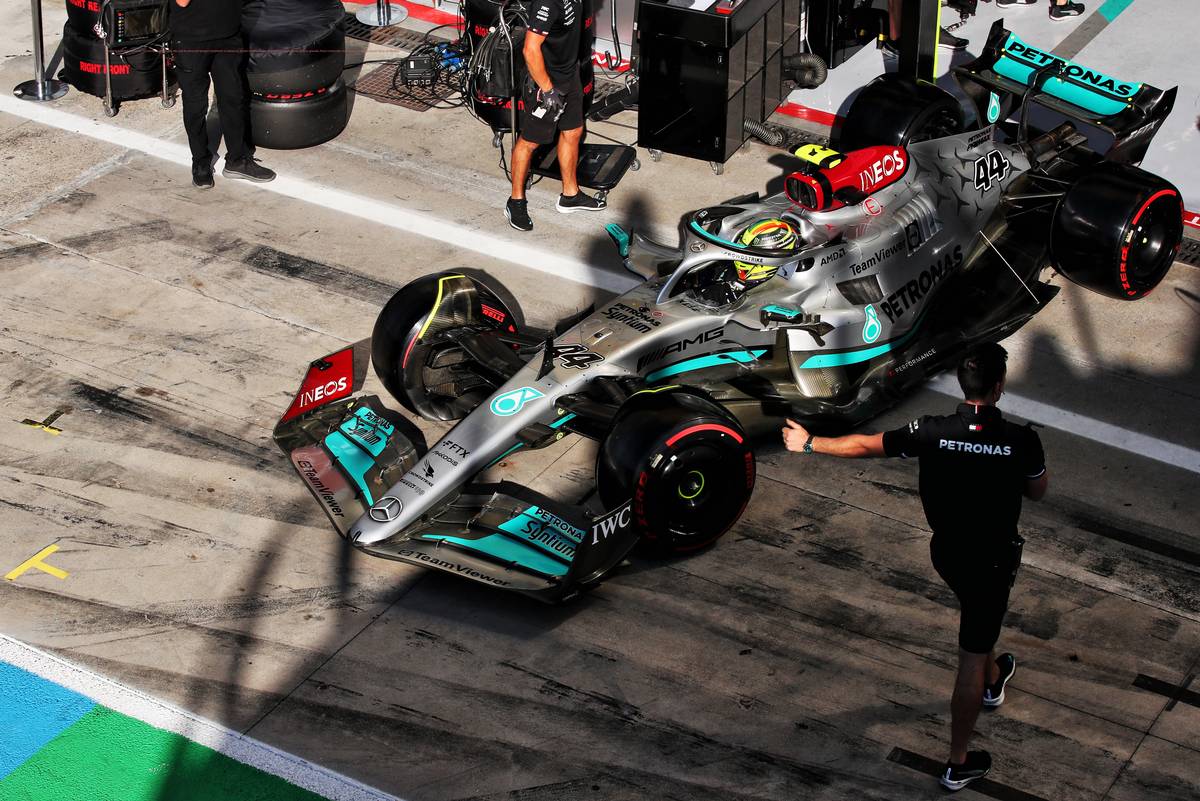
[1078, 85]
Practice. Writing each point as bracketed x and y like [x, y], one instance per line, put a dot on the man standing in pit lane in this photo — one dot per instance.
[552, 102]
[975, 467]
[206, 40]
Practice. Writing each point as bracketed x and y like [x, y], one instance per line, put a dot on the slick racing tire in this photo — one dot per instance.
[893, 110]
[290, 122]
[301, 70]
[134, 75]
[82, 16]
[417, 345]
[1117, 230]
[685, 464]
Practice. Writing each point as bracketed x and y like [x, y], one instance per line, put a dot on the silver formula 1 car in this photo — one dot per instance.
[889, 253]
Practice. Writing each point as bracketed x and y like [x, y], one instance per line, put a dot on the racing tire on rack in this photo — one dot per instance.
[136, 73]
[895, 110]
[1117, 231]
[417, 347]
[683, 462]
[300, 69]
[306, 119]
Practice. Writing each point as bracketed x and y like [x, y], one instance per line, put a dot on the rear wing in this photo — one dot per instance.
[1131, 112]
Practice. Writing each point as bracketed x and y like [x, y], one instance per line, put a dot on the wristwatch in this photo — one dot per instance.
[808, 444]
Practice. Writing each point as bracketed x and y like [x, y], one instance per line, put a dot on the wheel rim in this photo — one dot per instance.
[698, 491]
[1149, 245]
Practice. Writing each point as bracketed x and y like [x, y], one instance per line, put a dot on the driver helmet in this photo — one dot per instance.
[771, 233]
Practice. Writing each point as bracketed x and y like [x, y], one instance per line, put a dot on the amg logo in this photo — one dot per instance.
[679, 347]
[907, 296]
[637, 319]
[313, 477]
[611, 524]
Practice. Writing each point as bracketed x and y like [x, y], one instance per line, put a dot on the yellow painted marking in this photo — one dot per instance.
[820, 155]
[436, 305]
[44, 425]
[36, 562]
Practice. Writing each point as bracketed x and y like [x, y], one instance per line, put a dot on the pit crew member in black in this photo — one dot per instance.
[206, 40]
[975, 467]
[552, 102]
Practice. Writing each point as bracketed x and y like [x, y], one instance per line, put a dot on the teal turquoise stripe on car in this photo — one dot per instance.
[1098, 100]
[545, 530]
[712, 360]
[504, 548]
[555, 424]
[33, 712]
[352, 459]
[861, 355]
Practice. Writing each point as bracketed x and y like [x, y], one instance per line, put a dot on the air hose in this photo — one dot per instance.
[808, 70]
[769, 135]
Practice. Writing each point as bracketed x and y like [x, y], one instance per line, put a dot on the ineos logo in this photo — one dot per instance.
[387, 510]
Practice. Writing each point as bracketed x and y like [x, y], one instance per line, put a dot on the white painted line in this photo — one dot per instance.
[246, 750]
[365, 208]
[402, 219]
[1114, 436]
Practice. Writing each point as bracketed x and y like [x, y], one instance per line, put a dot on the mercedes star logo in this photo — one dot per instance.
[387, 510]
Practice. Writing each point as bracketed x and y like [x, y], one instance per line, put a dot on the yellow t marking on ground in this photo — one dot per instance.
[36, 562]
[45, 424]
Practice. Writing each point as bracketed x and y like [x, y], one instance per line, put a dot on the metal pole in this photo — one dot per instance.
[39, 89]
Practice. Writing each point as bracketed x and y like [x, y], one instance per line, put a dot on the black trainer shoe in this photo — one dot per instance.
[956, 777]
[993, 694]
[1011, 3]
[517, 212]
[580, 202]
[202, 174]
[249, 169]
[890, 48]
[950, 41]
[1065, 11]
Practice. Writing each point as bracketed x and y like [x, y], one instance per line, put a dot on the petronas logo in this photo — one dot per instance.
[993, 112]
[872, 328]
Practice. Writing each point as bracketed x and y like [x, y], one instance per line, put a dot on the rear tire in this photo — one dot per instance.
[1117, 230]
[683, 461]
[414, 351]
[293, 123]
[892, 110]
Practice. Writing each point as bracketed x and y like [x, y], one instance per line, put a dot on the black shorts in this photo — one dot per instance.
[542, 130]
[981, 578]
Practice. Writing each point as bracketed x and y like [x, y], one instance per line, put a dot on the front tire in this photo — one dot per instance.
[685, 464]
[416, 347]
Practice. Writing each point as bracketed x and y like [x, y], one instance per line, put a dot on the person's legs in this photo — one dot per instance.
[568, 159]
[231, 102]
[966, 701]
[522, 155]
[191, 70]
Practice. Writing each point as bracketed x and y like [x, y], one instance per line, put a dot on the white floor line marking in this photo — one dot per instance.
[364, 208]
[1087, 427]
[159, 714]
[535, 259]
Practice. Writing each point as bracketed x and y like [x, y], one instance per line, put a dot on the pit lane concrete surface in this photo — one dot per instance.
[809, 654]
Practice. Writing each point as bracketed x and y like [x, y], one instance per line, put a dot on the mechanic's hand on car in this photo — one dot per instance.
[551, 102]
[794, 436]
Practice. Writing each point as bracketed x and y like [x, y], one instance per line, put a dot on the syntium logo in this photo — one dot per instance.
[910, 294]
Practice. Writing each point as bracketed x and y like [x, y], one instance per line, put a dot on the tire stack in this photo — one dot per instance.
[480, 16]
[136, 72]
[297, 51]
